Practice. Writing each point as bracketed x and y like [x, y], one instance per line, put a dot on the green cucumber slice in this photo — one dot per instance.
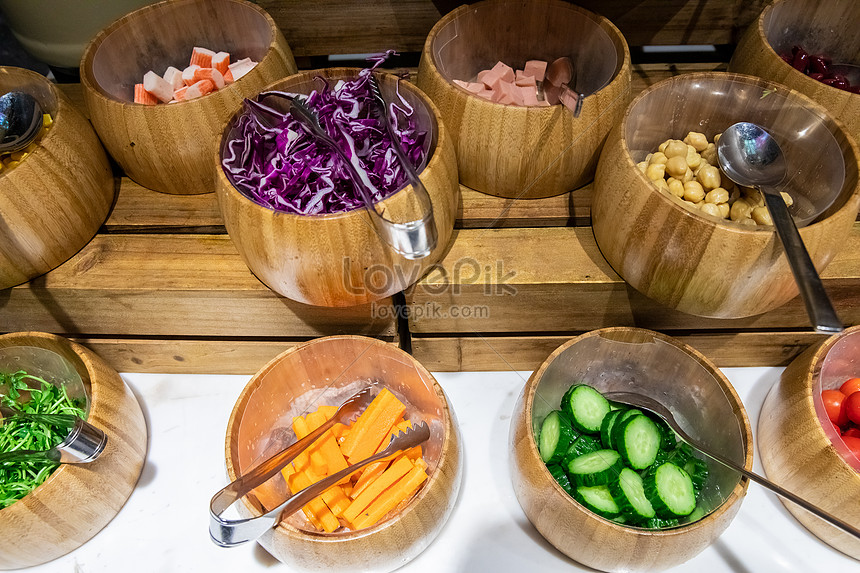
[670, 490]
[597, 499]
[638, 440]
[606, 427]
[595, 468]
[558, 473]
[628, 491]
[698, 470]
[586, 408]
[659, 523]
[555, 437]
[583, 445]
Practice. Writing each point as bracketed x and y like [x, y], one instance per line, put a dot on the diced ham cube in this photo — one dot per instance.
[174, 77]
[157, 86]
[472, 87]
[209, 74]
[143, 96]
[504, 71]
[221, 62]
[486, 94]
[536, 69]
[461, 83]
[529, 95]
[201, 57]
[188, 74]
[513, 92]
[490, 78]
[524, 80]
[199, 89]
[241, 68]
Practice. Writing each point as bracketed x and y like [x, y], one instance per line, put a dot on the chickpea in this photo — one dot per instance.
[717, 139]
[688, 176]
[662, 147]
[661, 185]
[717, 196]
[724, 210]
[709, 177]
[642, 165]
[675, 148]
[676, 188]
[748, 222]
[789, 201]
[761, 216]
[697, 140]
[710, 156]
[658, 157]
[656, 171]
[693, 158]
[676, 166]
[693, 191]
[740, 210]
[711, 209]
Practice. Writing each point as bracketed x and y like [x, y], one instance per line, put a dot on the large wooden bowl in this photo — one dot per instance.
[701, 264]
[526, 152]
[326, 371]
[796, 438]
[630, 359]
[168, 147]
[823, 26]
[77, 501]
[339, 259]
[55, 200]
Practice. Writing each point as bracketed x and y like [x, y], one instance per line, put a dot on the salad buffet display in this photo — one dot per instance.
[498, 125]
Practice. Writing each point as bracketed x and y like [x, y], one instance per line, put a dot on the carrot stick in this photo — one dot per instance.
[389, 499]
[388, 477]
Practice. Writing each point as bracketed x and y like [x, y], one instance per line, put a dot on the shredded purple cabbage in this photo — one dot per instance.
[287, 169]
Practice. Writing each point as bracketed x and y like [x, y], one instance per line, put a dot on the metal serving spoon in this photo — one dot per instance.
[83, 444]
[556, 85]
[648, 403]
[749, 156]
[20, 121]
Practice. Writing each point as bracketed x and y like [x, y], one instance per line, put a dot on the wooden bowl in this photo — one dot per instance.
[630, 359]
[77, 501]
[56, 199]
[796, 438]
[326, 371]
[339, 259]
[168, 147]
[701, 264]
[824, 26]
[526, 152]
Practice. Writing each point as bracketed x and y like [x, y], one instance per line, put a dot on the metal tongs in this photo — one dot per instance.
[232, 532]
[414, 239]
[84, 443]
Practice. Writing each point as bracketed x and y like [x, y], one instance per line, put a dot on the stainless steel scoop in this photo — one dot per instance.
[84, 443]
[20, 120]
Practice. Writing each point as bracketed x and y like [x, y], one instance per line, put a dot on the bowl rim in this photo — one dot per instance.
[91, 85]
[234, 194]
[797, 74]
[736, 495]
[449, 423]
[723, 224]
[603, 22]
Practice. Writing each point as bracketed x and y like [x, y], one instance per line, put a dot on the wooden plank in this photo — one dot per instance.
[326, 27]
[138, 209]
[555, 280]
[222, 356]
[495, 353]
[171, 285]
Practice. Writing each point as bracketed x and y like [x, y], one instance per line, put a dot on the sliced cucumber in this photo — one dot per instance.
[698, 470]
[558, 473]
[618, 421]
[628, 491]
[659, 523]
[638, 440]
[555, 437]
[583, 445]
[596, 468]
[670, 490]
[670, 440]
[597, 499]
[606, 427]
[586, 408]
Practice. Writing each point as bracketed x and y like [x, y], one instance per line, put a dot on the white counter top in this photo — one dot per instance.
[164, 525]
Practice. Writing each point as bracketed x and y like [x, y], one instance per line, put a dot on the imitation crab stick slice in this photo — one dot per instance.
[199, 89]
[157, 86]
[228, 77]
[209, 74]
[242, 67]
[143, 96]
[201, 57]
[173, 76]
[391, 497]
[221, 62]
[188, 74]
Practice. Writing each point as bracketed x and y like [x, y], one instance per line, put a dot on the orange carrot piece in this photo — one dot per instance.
[327, 411]
[391, 498]
[315, 419]
[363, 419]
[143, 96]
[316, 507]
[319, 464]
[339, 430]
[300, 427]
[396, 471]
[375, 469]
[336, 500]
[365, 439]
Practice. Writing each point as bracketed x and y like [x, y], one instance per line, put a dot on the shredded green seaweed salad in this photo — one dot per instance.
[18, 391]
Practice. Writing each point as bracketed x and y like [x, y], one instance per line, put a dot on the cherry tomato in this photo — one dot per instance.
[853, 444]
[833, 405]
[852, 433]
[851, 405]
[850, 386]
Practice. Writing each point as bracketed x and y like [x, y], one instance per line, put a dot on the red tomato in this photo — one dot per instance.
[853, 445]
[833, 405]
[852, 407]
[852, 433]
[850, 386]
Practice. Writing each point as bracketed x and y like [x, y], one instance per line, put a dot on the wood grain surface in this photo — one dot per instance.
[77, 500]
[169, 147]
[796, 453]
[576, 531]
[331, 369]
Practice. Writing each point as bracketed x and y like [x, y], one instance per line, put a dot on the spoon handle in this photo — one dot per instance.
[833, 520]
[818, 305]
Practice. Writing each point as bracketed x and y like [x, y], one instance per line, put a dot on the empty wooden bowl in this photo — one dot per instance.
[796, 438]
[55, 200]
[169, 147]
[698, 263]
[327, 371]
[526, 152]
[634, 360]
[339, 259]
[77, 501]
[822, 27]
